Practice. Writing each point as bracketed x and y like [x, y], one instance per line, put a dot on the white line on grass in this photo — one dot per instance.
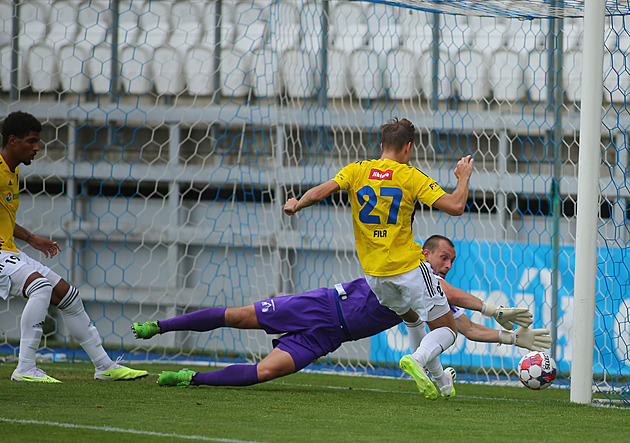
[126, 431]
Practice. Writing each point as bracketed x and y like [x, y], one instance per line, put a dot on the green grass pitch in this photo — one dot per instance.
[302, 407]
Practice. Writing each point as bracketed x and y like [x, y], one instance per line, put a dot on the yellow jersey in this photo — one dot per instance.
[10, 195]
[383, 194]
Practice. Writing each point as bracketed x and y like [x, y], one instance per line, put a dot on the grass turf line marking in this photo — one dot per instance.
[122, 430]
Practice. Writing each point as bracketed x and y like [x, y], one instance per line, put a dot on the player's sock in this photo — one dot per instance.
[434, 366]
[203, 320]
[234, 375]
[38, 294]
[435, 342]
[83, 330]
[416, 331]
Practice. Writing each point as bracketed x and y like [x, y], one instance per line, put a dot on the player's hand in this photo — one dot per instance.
[290, 207]
[464, 168]
[45, 245]
[506, 317]
[532, 339]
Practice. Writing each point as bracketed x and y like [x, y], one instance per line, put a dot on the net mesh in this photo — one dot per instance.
[174, 132]
[515, 9]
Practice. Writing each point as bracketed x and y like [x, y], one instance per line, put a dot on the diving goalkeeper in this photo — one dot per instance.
[318, 322]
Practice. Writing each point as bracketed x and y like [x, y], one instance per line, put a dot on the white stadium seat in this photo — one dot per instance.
[267, 77]
[506, 75]
[298, 70]
[198, 69]
[471, 75]
[167, 68]
[366, 73]
[338, 74]
[135, 63]
[73, 68]
[284, 26]
[401, 76]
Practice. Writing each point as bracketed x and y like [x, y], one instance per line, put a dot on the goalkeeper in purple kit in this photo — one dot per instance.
[318, 322]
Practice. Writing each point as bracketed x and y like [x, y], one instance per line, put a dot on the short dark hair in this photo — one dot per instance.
[432, 242]
[395, 134]
[19, 124]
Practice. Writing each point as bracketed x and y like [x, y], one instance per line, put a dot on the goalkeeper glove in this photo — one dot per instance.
[506, 317]
[532, 339]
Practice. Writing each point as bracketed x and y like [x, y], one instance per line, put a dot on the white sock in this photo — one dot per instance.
[435, 342]
[83, 330]
[437, 371]
[38, 294]
[416, 332]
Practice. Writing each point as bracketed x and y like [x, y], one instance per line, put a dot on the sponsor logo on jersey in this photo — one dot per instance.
[8, 197]
[376, 174]
[434, 186]
[268, 306]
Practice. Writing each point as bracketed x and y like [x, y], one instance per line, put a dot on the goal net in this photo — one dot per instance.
[174, 131]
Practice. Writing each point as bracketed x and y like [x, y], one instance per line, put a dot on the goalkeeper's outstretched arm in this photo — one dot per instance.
[532, 339]
[506, 317]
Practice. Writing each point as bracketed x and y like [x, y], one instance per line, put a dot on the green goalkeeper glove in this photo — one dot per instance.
[506, 317]
[532, 339]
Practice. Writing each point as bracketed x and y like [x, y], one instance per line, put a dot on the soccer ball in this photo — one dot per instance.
[537, 370]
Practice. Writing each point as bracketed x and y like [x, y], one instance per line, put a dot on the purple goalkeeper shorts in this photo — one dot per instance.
[309, 322]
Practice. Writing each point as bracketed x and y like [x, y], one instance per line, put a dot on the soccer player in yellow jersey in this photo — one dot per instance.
[383, 193]
[21, 275]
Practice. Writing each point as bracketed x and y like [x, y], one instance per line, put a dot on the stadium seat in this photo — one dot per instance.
[489, 34]
[236, 73]
[573, 30]
[208, 39]
[73, 68]
[348, 27]
[42, 68]
[311, 27]
[186, 26]
[6, 22]
[95, 19]
[338, 74]
[267, 78]
[63, 26]
[34, 17]
[284, 24]
[299, 73]
[135, 64]
[471, 75]
[535, 73]
[445, 74]
[100, 68]
[5, 69]
[154, 24]
[616, 77]
[401, 76]
[572, 74]
[416, 32]
[167, 68]
[383, 33]
[250, 25]
[366, 73]
[128, 20]
[506, 75]
[198, 69]
[454, 33]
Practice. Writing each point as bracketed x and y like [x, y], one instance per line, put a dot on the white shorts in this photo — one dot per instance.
[16, 267]
[417, 289]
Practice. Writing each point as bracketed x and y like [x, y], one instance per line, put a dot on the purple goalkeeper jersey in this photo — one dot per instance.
[318, 322]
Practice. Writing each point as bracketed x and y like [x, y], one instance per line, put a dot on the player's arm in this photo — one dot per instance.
[310, 197]
[532, 339]
[45, 245]
[455, 203]
[506, 317]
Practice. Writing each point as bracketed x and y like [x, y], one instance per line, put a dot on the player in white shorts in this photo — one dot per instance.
[22, 276]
